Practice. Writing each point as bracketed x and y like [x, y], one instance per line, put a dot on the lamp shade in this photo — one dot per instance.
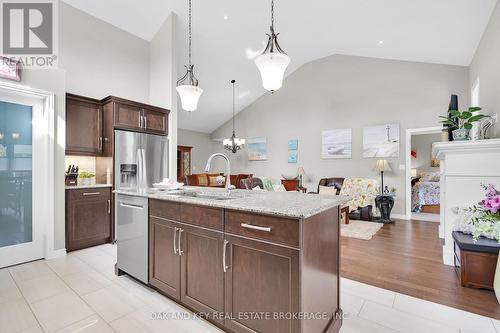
[382, 165]
[301, 171]
[190, 95]
[414, 173]
[272, 67]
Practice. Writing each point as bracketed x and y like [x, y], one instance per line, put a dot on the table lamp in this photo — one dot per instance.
[301, 172]
[382, 166]
[413, 173]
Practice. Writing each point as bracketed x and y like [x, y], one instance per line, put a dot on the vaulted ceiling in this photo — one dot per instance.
[227, 34]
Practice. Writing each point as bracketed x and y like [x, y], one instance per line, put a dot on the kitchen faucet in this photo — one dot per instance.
[228, 169]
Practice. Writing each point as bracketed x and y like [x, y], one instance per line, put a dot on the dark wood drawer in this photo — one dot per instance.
[209, 217]
[165, 209]
[101, 193]
[270, 228]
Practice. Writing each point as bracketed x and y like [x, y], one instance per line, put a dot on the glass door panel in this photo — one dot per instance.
[16, 137]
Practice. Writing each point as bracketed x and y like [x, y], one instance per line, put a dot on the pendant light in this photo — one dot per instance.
[233, 143]
[272, 63]
[187, 86]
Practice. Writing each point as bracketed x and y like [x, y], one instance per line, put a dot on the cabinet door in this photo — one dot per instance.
[202, 276]
[83, 127]
[260, 279]
[164, 262]
[128, 116]
[108, 130]
[155, 121]
[88, 222]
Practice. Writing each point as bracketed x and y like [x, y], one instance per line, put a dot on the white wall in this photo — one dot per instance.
[422, 143]
[100, 59]
[162, 76]
[485, 66]
[345, 92]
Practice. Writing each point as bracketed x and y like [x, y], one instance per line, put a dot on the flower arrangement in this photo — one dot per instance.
[484, 218]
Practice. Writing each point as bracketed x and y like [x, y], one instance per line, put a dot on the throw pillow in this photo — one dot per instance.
[328, 190]
[257, 188]
[279, 188]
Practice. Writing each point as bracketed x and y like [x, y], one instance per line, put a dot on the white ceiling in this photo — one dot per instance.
[436, 31]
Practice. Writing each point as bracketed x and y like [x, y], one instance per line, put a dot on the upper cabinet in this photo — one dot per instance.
[129, 115]
[90, 123]
[83, 126]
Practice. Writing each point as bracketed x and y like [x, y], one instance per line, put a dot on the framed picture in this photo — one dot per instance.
[336, 143]
[10, 69]
[381, 141]
[293, 144]
[257, 149]
[292, 156]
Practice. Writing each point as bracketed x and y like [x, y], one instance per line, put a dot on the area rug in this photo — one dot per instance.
[360, 229]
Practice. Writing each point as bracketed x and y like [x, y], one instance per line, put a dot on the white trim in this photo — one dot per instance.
[49, 120]
[399, 217]
[409, 133]
[54, 254]
[442, 148]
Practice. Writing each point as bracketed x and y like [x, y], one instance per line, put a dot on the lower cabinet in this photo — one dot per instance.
[261, 282]
[186, 264]
[88, 217]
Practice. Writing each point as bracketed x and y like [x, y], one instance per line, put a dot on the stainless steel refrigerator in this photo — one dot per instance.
[140, 160]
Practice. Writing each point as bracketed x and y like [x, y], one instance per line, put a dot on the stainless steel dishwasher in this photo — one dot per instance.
[131, 216]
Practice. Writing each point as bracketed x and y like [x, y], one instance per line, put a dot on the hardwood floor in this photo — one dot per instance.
[406, 257]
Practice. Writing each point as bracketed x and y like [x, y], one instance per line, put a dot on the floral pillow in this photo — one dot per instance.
[430, 177]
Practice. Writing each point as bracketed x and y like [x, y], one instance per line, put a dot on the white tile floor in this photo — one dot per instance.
[80, 293]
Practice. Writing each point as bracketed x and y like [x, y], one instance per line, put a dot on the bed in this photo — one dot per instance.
[425, 195]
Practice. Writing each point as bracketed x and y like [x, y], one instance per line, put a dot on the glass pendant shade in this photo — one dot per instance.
[272, 67]
[189, 95]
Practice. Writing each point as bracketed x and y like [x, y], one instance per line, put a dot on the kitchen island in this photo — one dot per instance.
[255, 261]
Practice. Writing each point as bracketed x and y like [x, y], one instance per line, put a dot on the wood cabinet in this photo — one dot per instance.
[84, 126]
[252, 272]
[134, 116]
[260, 278]
[90, 123]
[88, 217]
[164, 261]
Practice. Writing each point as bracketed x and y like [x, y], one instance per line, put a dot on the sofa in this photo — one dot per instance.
[362, 191]
[210, 180]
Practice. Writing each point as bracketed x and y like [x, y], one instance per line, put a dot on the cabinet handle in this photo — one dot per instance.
[109, 206]
[180, 246]
[175, 240]
[140, 121]
[100, 143]
[145, 122]
[91, 193]
[224, 250]
[255, 227]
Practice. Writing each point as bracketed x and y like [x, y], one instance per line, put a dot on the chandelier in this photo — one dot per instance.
[272, 63]
[233, 144]
[187, 86]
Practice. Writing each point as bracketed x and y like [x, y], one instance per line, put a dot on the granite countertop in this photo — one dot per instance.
[80, 187]
[289, 204]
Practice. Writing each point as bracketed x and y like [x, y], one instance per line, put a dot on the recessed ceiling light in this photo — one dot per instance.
[381, 42]
[226, 17]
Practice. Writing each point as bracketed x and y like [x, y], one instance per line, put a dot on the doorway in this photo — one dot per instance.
[183, 162]
[422, 175]
[26, 174]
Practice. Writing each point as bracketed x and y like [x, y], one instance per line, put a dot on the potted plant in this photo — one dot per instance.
[465, 120]
[86, 177]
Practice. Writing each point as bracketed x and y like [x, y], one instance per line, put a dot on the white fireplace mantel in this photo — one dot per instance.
[464, 165]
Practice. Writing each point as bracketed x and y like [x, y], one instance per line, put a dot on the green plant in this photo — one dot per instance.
[86, 174]
[465, 118]
[393, 190]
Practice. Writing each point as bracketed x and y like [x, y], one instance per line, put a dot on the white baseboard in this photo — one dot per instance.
[448, 256]
[54, 254]
[399, 216]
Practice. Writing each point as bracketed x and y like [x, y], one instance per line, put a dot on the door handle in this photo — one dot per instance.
[131, 206]
[224, 250]
[109, 207]
[175, 240]
[255, 227]
[180, 246]
[91, 193]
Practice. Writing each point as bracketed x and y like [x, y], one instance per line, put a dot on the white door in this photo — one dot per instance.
[24, 143]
